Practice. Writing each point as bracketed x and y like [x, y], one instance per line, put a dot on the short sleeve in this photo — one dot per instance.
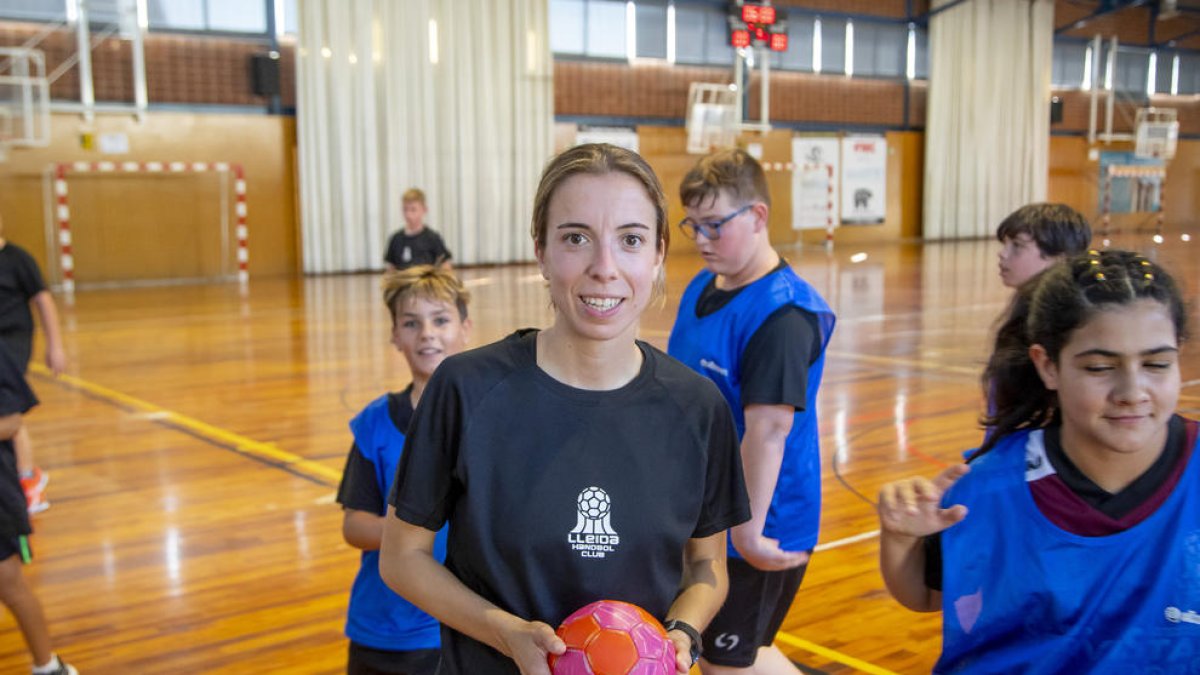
[776, 359]
[426, 484]
[726, 502]
[443, 254]
[359, 489]
[29, 277]
[392, 256]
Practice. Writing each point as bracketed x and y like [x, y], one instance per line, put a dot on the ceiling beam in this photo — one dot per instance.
[1106, 7]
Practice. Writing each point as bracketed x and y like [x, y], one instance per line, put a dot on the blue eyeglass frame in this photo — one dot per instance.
[710, 229]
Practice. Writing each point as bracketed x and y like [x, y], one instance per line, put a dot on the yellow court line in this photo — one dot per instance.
[812, 647]
[266, 451]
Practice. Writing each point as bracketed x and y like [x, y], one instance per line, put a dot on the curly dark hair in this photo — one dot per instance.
[1046, 311]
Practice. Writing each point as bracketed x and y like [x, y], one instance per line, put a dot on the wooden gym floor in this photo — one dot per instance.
[195, 447]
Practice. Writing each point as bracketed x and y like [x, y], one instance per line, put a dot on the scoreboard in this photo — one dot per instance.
[759, 25]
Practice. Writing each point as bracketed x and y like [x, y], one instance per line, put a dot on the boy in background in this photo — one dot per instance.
[416, 244]
[16, 398]
[1036, 236]
[21, 286]
[429, 322]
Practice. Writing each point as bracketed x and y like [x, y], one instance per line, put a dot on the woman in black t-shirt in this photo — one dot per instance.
[574, 463]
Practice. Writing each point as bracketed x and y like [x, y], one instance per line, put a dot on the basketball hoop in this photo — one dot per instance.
[1157, 133]
[712, 118]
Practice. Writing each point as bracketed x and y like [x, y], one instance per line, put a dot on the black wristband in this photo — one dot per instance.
[693, 635]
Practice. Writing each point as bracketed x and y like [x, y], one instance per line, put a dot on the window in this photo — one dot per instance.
[566, 26]
[833, 45]
[605, 25]
[1068, 61]
[33, 10]
[588, 28]
[691, 26]
[651, 22]
[1162, 78]
[702, 35]
[237, 16]
[175, 14]
[922, 51]
[290, 10]
[1133, 67]
[227, 16]
[880, 49]
[1189, 73]
[799, 54]
[717, 50]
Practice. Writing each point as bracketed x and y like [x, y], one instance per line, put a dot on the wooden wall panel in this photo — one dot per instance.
[905, 190]
[1074, 181]
[665, 149]
[180, 67]
[612, 89]
[133, 228]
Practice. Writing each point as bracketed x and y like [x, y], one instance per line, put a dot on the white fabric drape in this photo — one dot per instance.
[987, 136]
[375, 116]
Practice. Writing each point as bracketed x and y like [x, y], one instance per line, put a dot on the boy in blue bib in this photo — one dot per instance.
[387, 633]
[758, 331]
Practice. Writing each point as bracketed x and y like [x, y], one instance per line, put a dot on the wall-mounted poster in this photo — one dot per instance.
[815, 182]
[864, 179]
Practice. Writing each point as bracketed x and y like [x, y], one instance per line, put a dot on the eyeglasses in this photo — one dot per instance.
[711, 229]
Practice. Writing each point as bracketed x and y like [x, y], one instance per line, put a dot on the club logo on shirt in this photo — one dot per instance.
[593, 535]
[714, 366]
[407, 255]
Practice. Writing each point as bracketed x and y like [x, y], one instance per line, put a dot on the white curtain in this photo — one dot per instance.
[376, 115]
[987, 136]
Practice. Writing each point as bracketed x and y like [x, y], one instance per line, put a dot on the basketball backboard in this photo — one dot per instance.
[24, 98]
[712, 117]
[1156, 133]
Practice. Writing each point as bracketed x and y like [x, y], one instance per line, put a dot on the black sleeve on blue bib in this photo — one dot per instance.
[776, 359]
[359, 489]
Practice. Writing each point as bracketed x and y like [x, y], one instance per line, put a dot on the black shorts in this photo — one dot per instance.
[20, 347]
[368, 661]
[16, 545]
[14, 511]
[753, 611]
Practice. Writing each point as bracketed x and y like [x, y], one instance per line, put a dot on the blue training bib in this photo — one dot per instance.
[713, 346]
[1022, 595]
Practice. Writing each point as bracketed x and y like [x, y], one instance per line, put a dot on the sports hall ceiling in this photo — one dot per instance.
[1145, 23]
[1140, 23]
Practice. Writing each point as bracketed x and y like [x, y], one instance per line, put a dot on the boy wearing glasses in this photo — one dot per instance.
[759, 331]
